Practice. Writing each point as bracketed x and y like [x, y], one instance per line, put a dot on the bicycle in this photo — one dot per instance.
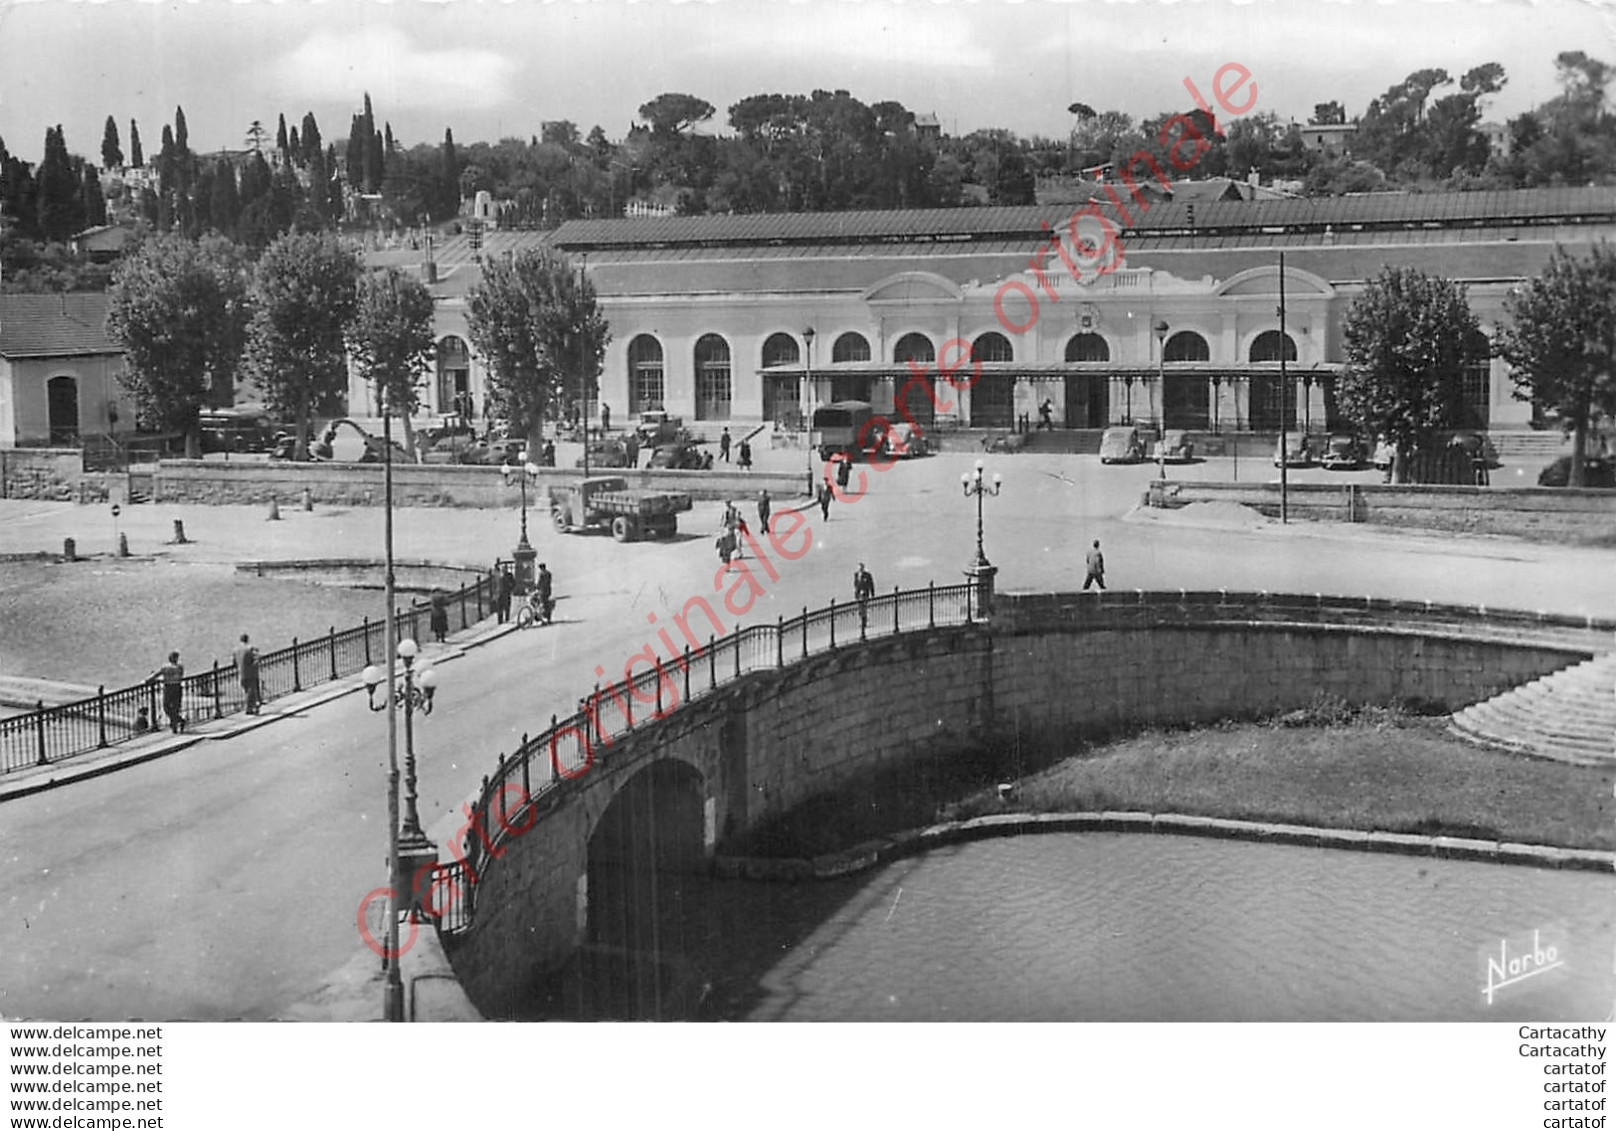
[535, 610]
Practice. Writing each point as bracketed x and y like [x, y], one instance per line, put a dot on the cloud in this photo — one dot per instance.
[342, 66]
[892, 35]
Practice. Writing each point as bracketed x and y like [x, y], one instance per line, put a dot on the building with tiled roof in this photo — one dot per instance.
[711, 315]
[59, 371]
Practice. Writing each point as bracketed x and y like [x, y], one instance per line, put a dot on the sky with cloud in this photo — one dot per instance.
[488, 69]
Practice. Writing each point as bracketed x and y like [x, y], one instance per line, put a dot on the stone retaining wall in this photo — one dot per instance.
[428, 485]
[1558, 514]
[1049, 668]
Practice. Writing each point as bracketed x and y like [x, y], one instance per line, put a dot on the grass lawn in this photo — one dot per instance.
[1369, 770]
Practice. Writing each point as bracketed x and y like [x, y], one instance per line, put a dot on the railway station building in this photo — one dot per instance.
[973, 318]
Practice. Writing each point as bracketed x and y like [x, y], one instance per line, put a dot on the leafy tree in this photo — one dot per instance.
[179, 310]
[1330, 113]
[542, 332]
[675, 113]
[303, 299]
[1562, 344]
[111, 151]
[1405, 341]
[391, 341]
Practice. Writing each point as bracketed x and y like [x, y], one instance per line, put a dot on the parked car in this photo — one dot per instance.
[449, 449]
[1121, 445]
[495, 453]
[1175, 446]
[1342, 451]
[656, 428]
[684, 455]
[903, 441]
[607, 453]
[1597, 471]
[1296, 454]
[236, 430]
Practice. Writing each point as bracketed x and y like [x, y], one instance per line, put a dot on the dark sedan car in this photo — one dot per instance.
[1342, 452]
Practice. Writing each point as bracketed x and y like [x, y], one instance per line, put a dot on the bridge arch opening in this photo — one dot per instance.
[647, 862]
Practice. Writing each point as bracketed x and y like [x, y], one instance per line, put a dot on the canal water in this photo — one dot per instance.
[1109, 927]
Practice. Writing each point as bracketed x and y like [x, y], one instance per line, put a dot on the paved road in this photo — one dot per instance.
[223, 881]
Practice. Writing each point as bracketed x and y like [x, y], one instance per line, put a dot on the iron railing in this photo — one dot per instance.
[46, 735]
[570, 747]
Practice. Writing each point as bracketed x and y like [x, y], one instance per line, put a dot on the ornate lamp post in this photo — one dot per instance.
[980, 571]
[1161, 329]
[524, 554]
[413, 694]
[1127, 383]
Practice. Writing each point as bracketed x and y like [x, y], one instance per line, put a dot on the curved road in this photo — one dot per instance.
[223, 881]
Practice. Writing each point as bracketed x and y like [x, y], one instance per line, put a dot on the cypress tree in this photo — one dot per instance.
[356, 153]
[449, 179]
[182, 137]
[92, 203]
[334, 200]
[58, 206]
[375, 162]
[282, 142]
[111, 151]
[225, 201]
[137, 159]
[294, 147]
[313, 147]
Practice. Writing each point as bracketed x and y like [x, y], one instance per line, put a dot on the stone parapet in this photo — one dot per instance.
[1556, 514]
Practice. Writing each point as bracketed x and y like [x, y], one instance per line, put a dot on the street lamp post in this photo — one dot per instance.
[415, 849]
[807, 401]
[1161, 329]
[393, 994]
[524, 555]
[980, 572]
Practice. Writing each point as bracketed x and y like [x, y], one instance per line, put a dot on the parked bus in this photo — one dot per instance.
[236, 430]
[844, 426]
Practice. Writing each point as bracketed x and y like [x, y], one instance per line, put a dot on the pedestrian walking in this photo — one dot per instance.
[545, 584]
[823, 492]
[605, 418]
[507, 586]
[863, 591]
[723, 446]
[172, 675]
[743, 458]
[844, 473]
[725, 545]
[1096, 567]
[765, 508]
[440, 616]
[1046, 415]
[246, 657]
[547, 459]
[632, 446]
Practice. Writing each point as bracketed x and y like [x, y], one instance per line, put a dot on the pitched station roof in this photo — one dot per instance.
[55, 325]
[1254, 219]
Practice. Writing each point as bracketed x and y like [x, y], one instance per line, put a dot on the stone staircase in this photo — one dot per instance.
[1568, 715]
[1531, 450]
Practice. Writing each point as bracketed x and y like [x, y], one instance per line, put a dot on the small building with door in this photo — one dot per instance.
[59, 371]
[973, 317]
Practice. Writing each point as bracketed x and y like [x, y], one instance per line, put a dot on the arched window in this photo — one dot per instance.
[712, 378]
[780, 349]
[1475, 391]
[914, 347]
[644, 374]
[850, 347]
[454, 376]
[1186, 345]
[1087, 347]
[1266, 346]
[992, 346]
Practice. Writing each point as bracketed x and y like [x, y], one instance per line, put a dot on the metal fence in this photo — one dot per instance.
[569, 747]
[50, 734]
